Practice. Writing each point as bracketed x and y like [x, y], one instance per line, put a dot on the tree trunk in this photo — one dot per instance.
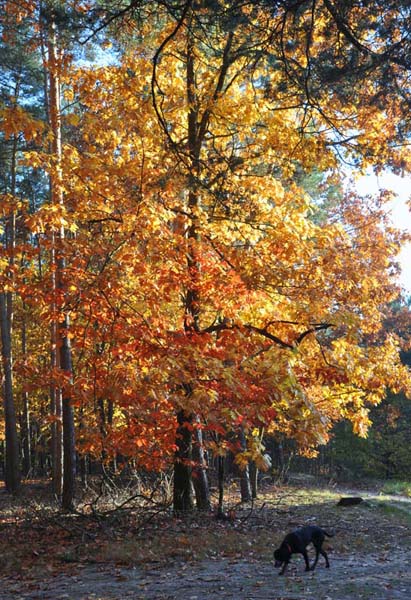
[12, 466]
[245, 483]
[220, 475]
[12, 459]
[63, 324]
[183, 486]
[69, 444]
[57, 413]
[49, 54]
[200, 480]
[25, 424]
[183, 483]
[254, 479]
[197, 125]
[84, 470]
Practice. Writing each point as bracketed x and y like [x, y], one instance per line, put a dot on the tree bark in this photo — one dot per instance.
[200, 480]
[220, 476]
[245, 483]
[254, 479]
[183, 486]
[63, 324]
[57, 413]
[25, 424]
[12, 459]
[12, 466]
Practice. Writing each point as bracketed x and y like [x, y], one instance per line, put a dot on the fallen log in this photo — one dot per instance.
[349, 501]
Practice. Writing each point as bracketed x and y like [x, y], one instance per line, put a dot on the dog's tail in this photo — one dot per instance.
[328, 534]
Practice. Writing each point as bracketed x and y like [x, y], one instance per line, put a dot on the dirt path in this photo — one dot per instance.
[358, 577]
[370, 557]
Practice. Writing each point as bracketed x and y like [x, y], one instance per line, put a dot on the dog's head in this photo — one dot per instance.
[281, 555]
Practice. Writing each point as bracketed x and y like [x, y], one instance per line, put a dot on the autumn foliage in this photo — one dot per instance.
[201, 273]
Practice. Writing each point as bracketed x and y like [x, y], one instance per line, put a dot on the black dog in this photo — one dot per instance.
[297, 542]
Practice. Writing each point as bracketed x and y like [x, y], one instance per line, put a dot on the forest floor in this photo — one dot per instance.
[45, 554]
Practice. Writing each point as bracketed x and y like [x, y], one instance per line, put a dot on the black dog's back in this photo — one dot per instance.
[301, 537]
[309, 533]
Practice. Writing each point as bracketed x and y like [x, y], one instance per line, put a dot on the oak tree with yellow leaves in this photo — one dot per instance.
[209, 294]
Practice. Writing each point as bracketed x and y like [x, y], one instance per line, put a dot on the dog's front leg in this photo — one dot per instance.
[284, 568]
[307, 562]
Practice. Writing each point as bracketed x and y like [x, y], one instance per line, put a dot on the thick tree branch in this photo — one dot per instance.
[225, 324]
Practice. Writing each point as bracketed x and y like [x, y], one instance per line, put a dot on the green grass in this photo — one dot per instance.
[402, 488]
[398, 512]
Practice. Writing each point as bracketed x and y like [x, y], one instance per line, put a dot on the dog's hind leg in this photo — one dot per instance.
[323, 552]
[318, 551]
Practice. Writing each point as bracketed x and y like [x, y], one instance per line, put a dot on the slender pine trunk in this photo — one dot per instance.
[56, 409]
[25, 424]
[63, 324]
[220, 478]
[12, 462]
[12, 458]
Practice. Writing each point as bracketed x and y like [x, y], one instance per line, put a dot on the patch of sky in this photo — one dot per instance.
[398, 209]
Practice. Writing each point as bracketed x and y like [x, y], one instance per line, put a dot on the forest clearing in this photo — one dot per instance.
[46, 556]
